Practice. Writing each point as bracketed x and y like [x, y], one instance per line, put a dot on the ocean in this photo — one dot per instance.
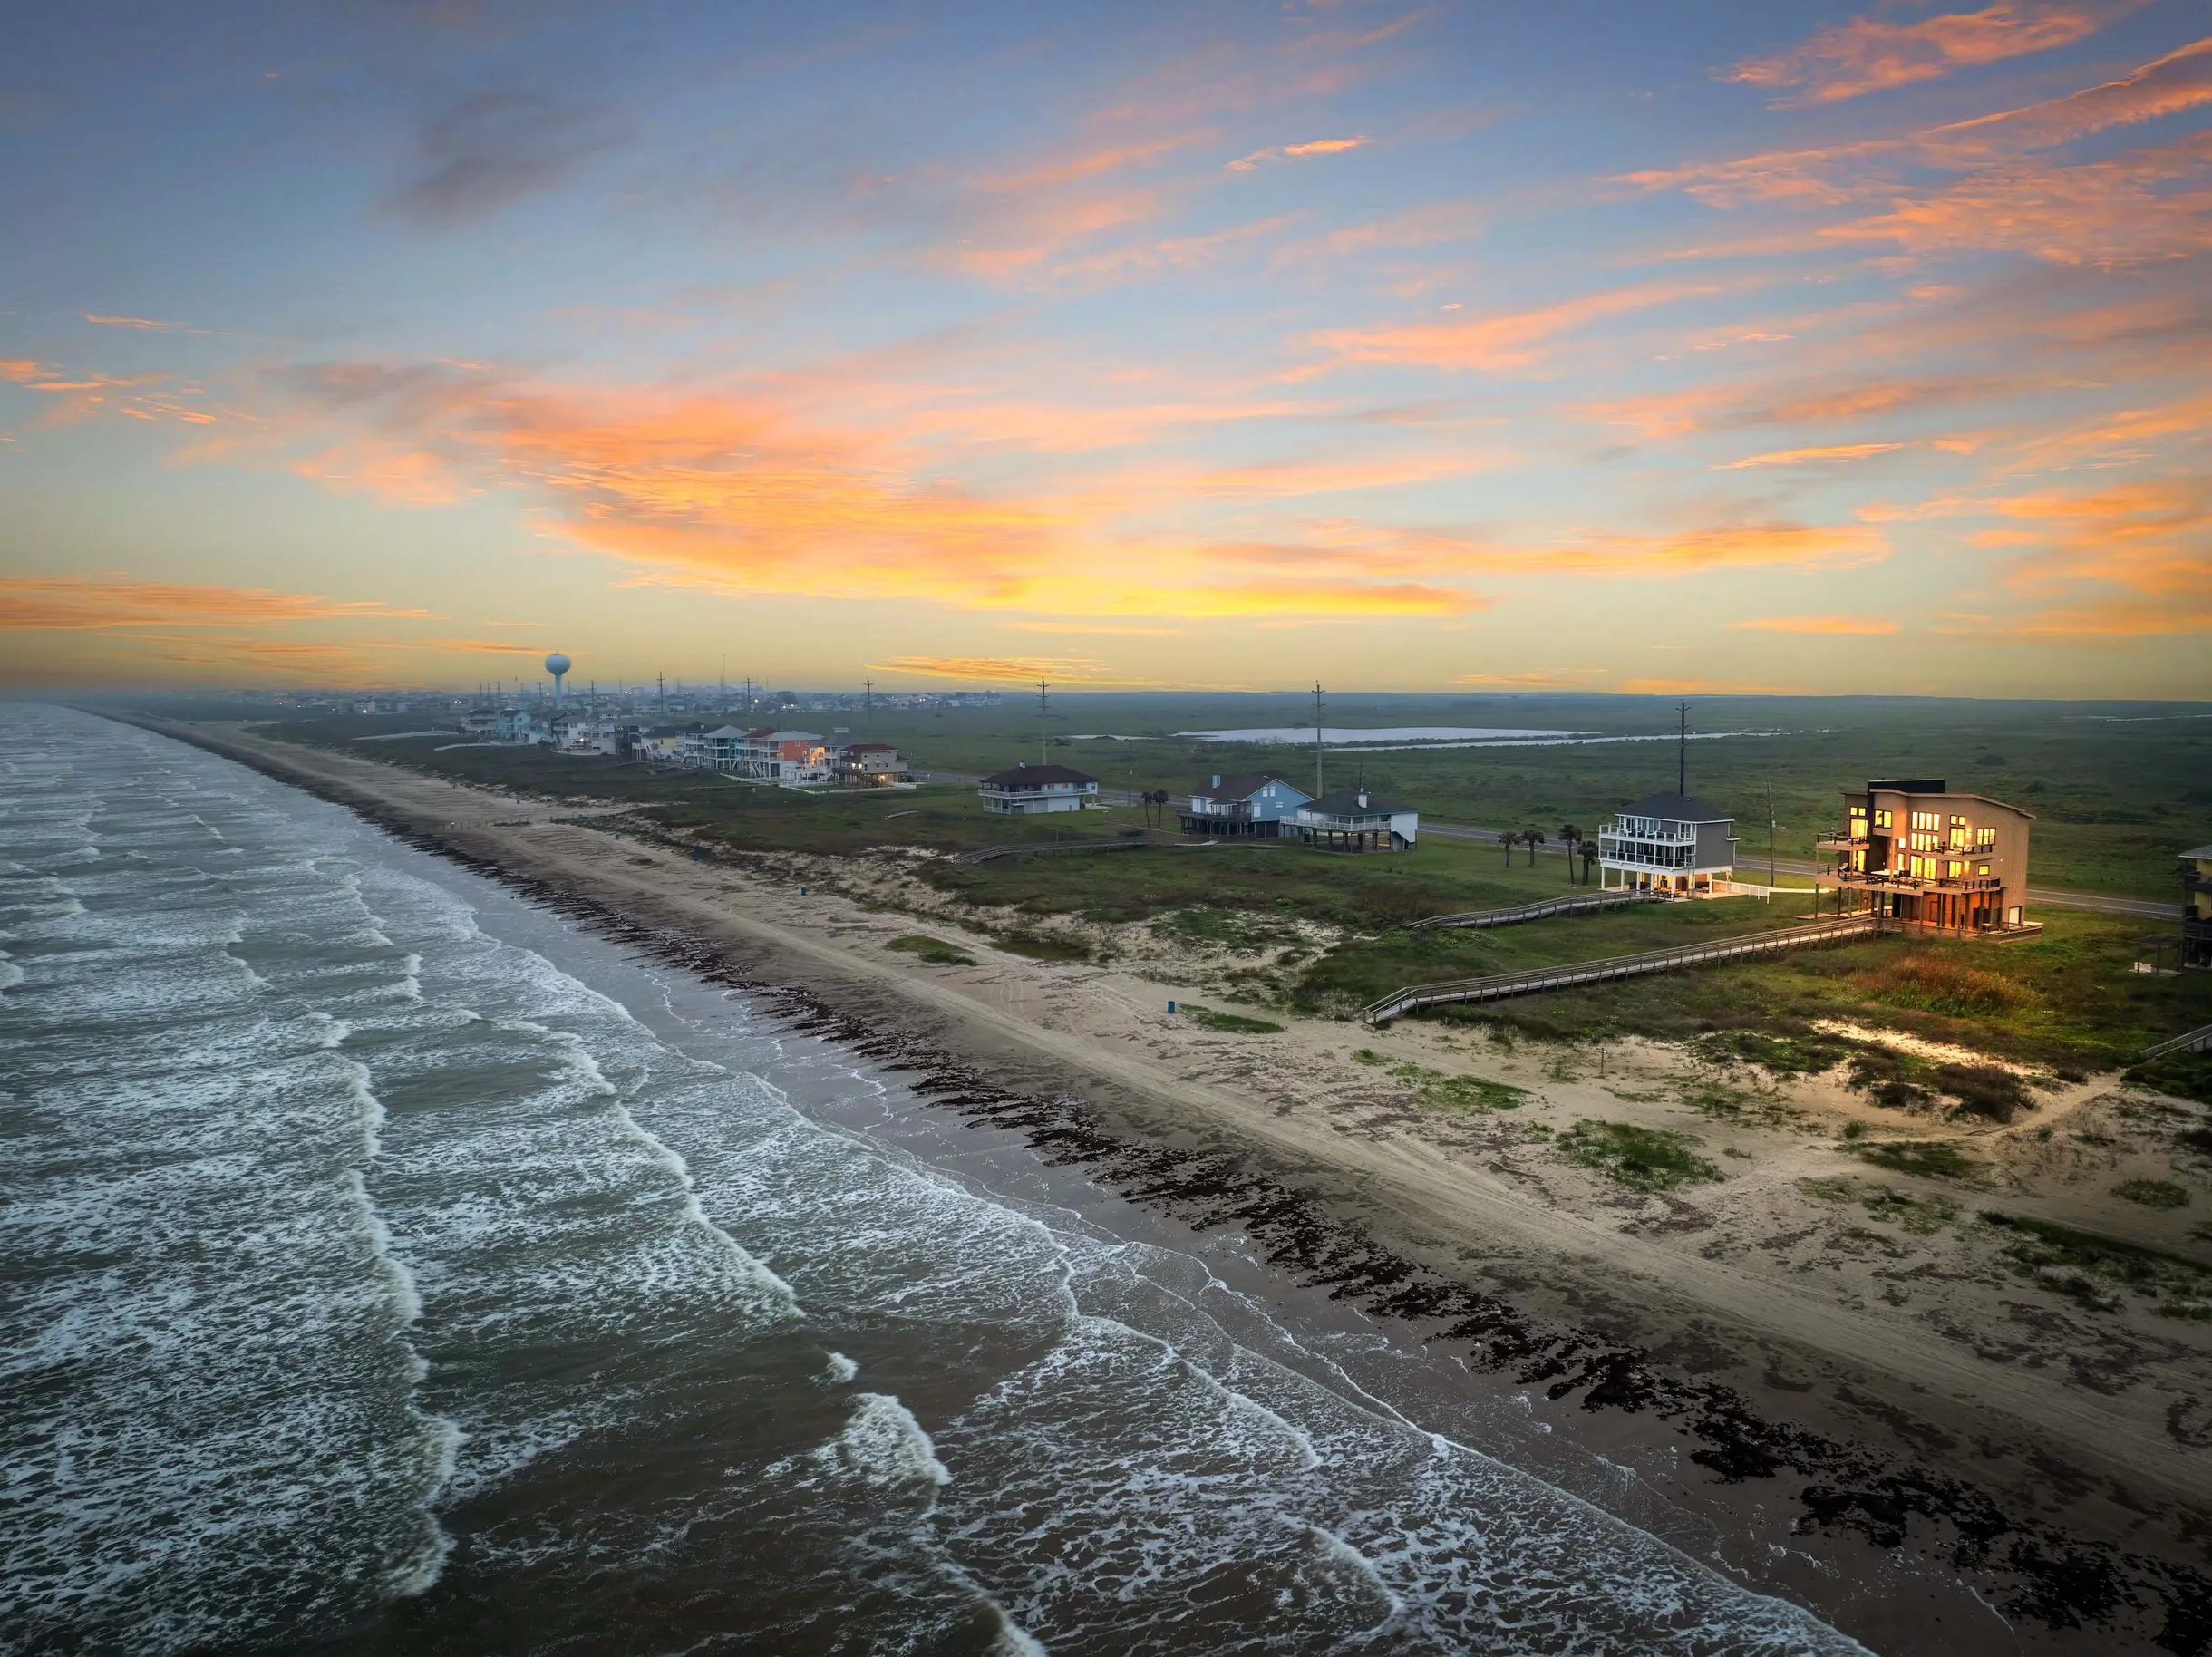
[387, 1264]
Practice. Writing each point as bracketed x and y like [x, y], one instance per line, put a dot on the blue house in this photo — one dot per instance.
[1258, 805]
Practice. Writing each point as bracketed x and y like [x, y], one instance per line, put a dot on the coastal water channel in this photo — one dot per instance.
[388, 1265]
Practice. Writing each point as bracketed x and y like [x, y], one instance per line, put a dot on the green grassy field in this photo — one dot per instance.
[2120, 792]
[2117, 788]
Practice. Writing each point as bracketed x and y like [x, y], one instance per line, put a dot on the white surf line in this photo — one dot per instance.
[440, 1436]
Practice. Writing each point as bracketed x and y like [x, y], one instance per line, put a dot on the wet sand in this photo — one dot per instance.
[1881, 1392]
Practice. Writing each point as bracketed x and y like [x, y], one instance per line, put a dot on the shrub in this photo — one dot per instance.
[1474, 1093]
[1236, 1024]
[2183, 1075]
[1929, 1158]
[1808, 1054]
[1936, 983]
[2153, 1193]
[935, 951]
[1886, 1078]
[1983, 1089]
[1642, 1159]
[1040, 948]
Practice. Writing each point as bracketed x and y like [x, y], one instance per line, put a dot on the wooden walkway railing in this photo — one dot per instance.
[2194, 1041]
[1499, 986]
[1064, 848]
[1550, 906]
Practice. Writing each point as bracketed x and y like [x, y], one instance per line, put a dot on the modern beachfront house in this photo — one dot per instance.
[1673, 845]
[1917, 852]
[1260, 805]
[1027, 789]
[1356, 821]
[2197, 908]
[867, 765]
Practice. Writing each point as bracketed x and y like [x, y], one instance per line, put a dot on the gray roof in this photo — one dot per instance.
[1240, 787]
[1028, 775]
[1678, 809]
[2202, 852]
[1347, 804]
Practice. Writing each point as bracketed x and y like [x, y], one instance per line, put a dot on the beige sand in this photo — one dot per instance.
[1895, 1320]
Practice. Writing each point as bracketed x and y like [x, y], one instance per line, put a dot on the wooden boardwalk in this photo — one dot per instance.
[1499, 985]
[1589, 904]
[2197, 1040]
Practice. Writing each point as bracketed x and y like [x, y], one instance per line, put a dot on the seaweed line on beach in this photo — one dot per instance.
[2042, 1573]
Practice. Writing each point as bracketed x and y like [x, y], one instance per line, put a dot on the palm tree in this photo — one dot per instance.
[1589, 859]
[1531, 838]
[1571, 838]
[1509, 840]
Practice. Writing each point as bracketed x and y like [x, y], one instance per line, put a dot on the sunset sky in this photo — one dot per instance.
[1587, 346]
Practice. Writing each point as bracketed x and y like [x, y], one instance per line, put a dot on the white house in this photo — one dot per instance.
[1357, 821]
[1028, 789]
[1260, 805]
[1668, 843]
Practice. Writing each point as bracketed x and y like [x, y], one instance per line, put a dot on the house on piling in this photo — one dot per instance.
[1356, 820]
[2197, 908]
[1026, 789]
[1914, 851]
[1260, 806]
[1675, 845]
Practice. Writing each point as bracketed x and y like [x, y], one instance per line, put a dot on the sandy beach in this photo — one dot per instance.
[1814, 1332]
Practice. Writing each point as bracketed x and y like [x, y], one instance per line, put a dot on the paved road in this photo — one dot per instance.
[1752, 863]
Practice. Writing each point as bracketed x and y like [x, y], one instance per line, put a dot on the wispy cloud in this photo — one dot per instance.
[73, 603]
[1833, 454]
[489, 148]
[1854, 627]
[1871, 54]
[1497, 342]
[1298, 152]
[1000, 670]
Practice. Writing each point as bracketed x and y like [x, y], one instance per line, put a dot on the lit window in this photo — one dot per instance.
[1958, 869]
[1984, 838]
[1882, 819]
[1981, 870]
[1927, 819]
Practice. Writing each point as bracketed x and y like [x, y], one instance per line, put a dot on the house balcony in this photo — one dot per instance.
[1836, 839]
[1614, 834]
[1885, 880]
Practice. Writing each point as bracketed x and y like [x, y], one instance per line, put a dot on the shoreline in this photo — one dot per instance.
[1380, 1217]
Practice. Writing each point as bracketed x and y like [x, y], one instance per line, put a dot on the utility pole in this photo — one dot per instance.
[1682, 762]
[1317, 739]
[868, 708]
[663, 681]
[1042, 716]
[1769, 842]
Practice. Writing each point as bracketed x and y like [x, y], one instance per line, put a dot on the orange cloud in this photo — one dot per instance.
[1734, 546]
[733, 491]
[1706, 687]
[1834, 454]
[998, 670]
[143, 325]
[1096, 163]
[1499, 342]
[76, 603]
[1853, 626]
[20, 370]
[1869, 56]
[1575, 679]
[1295, 153]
